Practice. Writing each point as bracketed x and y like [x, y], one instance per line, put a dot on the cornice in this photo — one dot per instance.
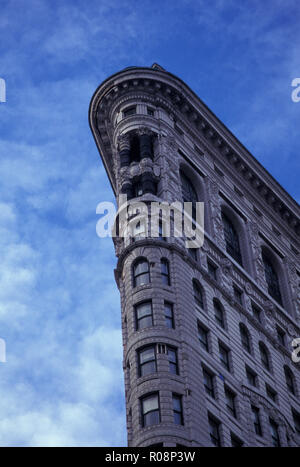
[198, 117]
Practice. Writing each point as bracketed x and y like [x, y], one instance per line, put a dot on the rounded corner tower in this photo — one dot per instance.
[187, 377]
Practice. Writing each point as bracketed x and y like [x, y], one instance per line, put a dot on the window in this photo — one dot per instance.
[144, 317]
[256, 420]
[296, 417]
[137, 189]
[147, 360]
[169, 315]
[281, 336]
[290, 381]
[150, 410]
[272, 280]
[274, 433]
[193, 252]
[224, 357]
[245, 338]
[162, 234]
[230, 401]
[212, 270]
[141, 273]
[129, 111]
[173, 362]
[251, 377]
[238, 295]
[219, 313]
[256, 313]
[208, 380]
[236, 442]
[203, 337]
[150, 111]
[165, 273]
[264, 355]
[189, 194]
[271, 393]
[214, 431]
[177, 408]
[198, 295]
[231, 240]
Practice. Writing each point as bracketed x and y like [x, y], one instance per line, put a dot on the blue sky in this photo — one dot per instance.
[62, 384]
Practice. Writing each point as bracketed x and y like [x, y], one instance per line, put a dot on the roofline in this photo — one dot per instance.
[103, 86]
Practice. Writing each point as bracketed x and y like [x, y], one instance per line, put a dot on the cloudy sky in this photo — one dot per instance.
[62, 384]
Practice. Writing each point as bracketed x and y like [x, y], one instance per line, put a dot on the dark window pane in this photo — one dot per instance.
[274, 434]
[177, 408]
[212, 271]
[224, 357]
[129, 111]
[252, 377]
[264, 356]
[172, 357]
[219, 314]
[150, 410]
[214, 431]
[169, 315]
[256, 420]
[230, 401]
[232, 240]
[272, 280]
[144, 315]
[296, 418]
[141, 273]
[208, 380]
[165, 273]
[203, 337]
[289, 377]
[198, 296]
[245, 338]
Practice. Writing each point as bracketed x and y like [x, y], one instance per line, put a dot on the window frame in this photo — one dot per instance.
[232, 239]
[135, 276]
[198, 294]
[256, 420]
[165, 276]
[178, 397]
[210, 377]
[170, 348]
[143, 414]
[140, 365]
[137, 320]
[169, 306]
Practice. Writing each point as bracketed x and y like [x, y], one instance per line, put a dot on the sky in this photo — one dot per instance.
[62, 383]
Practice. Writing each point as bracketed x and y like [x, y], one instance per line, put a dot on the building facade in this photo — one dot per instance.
[207, 333]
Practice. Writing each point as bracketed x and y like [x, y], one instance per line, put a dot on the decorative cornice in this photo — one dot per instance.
[172, 93]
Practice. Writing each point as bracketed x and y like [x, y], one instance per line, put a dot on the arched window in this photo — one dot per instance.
[264, 355]
[189, 194]
[219, 313]
[245, 338]
[165, 271]
[290, 380]
[198, 295]
[141, 272]
[272, 279]
[232, 239]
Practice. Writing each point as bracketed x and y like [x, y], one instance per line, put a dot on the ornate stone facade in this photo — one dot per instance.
[205, 381]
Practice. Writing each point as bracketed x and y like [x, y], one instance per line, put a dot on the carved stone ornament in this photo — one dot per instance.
[292, 331]
[248, 288]
[226, 265]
